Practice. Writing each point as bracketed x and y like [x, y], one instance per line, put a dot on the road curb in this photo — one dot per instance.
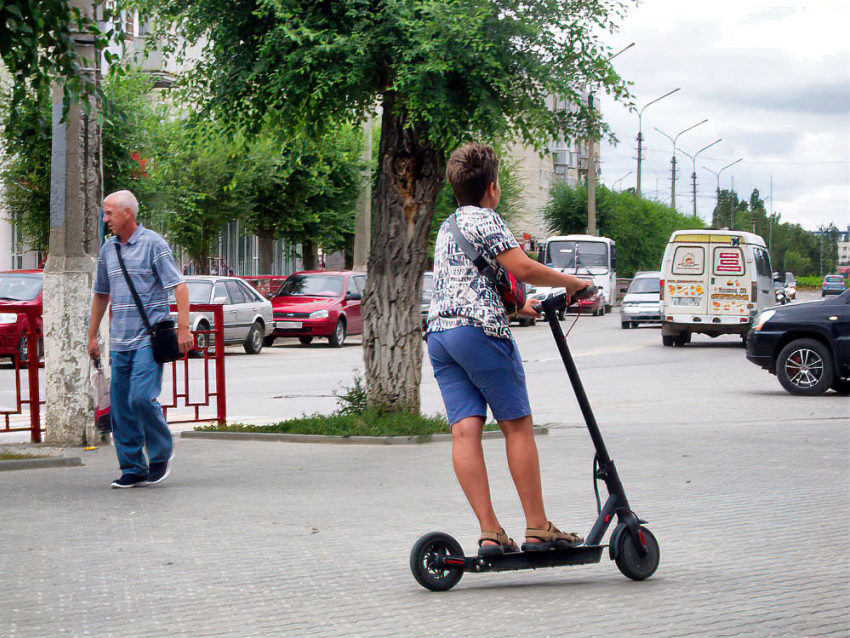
[41, 463]
[339, 440]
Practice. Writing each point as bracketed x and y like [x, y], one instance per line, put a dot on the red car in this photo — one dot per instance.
[19, 287]
[595, 305]
[319, 303]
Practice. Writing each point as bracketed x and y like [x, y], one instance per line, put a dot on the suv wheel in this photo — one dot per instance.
[804, 367]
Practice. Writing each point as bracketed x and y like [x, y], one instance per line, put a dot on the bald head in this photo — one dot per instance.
[124, 201]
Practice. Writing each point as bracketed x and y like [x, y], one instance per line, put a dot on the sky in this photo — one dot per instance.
[773, 79]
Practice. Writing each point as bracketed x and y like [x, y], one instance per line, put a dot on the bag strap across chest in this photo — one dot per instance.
[475, 256]
[133, 292]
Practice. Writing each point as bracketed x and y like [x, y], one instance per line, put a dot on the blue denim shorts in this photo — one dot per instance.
[474, 371]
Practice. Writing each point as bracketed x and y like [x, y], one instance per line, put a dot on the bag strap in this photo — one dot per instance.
[138, 301]
[484, 266]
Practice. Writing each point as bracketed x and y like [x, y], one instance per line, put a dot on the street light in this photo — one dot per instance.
[673, 171]
[640, 135]
[694, 174]
[621, 179]
[717, 175]
[591, 160]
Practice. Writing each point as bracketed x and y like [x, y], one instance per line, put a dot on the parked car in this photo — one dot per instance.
[595, 304]
[833, 285]
[247, 315]
[427, 293]
[806, 345]
[19, 287]
[319, 303]
[642, 303]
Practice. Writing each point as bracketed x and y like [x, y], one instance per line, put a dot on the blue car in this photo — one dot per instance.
[833, 285]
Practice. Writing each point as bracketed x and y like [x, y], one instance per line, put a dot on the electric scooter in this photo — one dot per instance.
[438, 562]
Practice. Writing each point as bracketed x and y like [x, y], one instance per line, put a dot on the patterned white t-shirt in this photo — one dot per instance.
[462, 295]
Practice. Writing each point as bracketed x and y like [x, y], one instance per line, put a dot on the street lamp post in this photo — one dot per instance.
[673, 161]
[591, 159]
[621, 179]
[717, 175]
[694, 174]
[640, 136]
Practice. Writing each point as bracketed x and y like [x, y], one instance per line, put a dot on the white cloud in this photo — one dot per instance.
[774, 81]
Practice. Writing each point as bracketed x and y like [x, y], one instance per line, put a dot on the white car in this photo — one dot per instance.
[247, 314]
[642, 303]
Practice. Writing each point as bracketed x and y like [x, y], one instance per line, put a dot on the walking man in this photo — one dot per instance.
[137, 419]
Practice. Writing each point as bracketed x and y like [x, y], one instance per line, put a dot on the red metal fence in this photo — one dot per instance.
[209, 346]
[31, 397]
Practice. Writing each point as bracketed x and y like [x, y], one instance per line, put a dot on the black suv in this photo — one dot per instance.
[806, 345]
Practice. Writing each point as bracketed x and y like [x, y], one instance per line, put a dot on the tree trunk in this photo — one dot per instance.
[411, 175]
[266, 251]
[309, 255]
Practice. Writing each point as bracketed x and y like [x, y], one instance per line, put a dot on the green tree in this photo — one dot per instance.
[26, 172]
[441, 72]
[302, 189]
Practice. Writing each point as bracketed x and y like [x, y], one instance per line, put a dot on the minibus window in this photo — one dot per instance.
[689, 260]
[728, 260]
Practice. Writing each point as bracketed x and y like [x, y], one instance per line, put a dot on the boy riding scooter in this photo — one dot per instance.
[475, 360]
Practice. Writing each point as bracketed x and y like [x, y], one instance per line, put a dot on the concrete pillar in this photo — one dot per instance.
[75, 198]
[363, 221]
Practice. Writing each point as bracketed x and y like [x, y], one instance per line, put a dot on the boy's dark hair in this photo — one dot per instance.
[471, 169]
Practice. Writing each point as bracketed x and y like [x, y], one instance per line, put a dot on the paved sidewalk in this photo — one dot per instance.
[260, 539]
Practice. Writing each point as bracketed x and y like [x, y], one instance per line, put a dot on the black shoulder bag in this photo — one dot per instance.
[164, 344]
[510, 289]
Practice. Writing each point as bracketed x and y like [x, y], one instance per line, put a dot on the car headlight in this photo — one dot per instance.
[762, 319]
[319, 314]
[8, 317]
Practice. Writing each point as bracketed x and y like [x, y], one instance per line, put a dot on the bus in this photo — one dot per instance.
[586, 257]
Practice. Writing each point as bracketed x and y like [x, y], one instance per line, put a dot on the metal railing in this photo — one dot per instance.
[32, 397]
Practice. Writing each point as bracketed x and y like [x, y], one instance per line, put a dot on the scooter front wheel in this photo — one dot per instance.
[630, 562]
[424, 558]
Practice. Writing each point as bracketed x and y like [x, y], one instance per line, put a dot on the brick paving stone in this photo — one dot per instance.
[255, 539]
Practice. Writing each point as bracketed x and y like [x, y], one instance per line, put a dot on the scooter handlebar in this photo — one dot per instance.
[556, 302]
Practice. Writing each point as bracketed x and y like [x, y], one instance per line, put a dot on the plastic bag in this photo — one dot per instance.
[100, 384]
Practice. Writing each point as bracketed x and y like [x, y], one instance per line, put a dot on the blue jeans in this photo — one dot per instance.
[137, 419]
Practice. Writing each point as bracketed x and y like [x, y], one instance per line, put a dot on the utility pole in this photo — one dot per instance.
[591, 154]
[673, 161]
[640, 137]
[75, 197]
[363, 218]
[591, 171]
[770, 231]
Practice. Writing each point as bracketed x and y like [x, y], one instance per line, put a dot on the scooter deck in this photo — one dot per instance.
[582, 555]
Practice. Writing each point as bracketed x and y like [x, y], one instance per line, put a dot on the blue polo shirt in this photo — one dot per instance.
[151, 266]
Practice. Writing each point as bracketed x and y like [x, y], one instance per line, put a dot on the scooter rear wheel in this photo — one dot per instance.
[630, 563]
[423, 559]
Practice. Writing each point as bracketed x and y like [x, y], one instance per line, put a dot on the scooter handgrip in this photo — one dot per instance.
[537, 307]
[584, 293]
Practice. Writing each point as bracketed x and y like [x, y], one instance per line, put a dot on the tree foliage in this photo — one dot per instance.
[441, 72]
[641, 227]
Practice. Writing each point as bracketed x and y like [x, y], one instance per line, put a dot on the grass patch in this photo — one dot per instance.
[17, 456]
[366, 423]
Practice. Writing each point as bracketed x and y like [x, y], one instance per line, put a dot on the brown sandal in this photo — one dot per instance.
[505, 544]
[550, 538]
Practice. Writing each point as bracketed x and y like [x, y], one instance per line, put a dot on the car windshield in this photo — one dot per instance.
[199, 292]
[14, 287]
[645, 284]
[427, 283]
[311, 286]
[591, 254]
